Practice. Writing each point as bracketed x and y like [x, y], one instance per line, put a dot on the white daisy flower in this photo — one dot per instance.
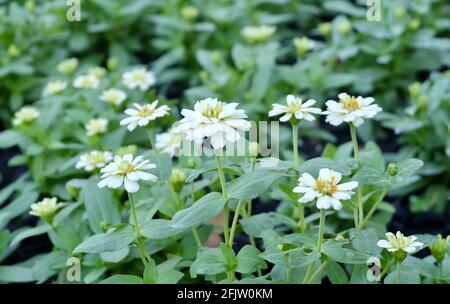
[214, 119]
[88, 81]
[350, 109]
[169, 142]
[295, 109]
[326, 189]
[139, 78]
[113, 96]
[255, 34]
[54, 87]
[143, 114]
[398, 241]
[96, 126]
[94, 159]
[127, 171]
[303, 45]
[25, 115]
[46, 208]
[67, 66]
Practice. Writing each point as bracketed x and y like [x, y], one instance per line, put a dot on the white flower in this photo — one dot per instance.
[25, 115]
[98, 72]
[214, 119]
[113, 96]
[127, 171]
[254, 34]
[169, 142]
[88, 81]
[295, 107]
[302, 45]
[54, 87]
[45, 208]
[143, 114]
[326, 189]
[350, 109]
[94, 159]
[96, 126]
[400, 242]
[138, 78]
[67, 66]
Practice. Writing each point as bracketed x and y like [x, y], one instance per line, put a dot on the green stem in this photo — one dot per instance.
[321, 229]
[354, 141]
[295, 146]
[308, 272]
[359, 216]
[226, 212]
[235, 221]
[152, 140]
[373, 209]
[198, 241]
[316, 273]
[145, 257]
[397, 280]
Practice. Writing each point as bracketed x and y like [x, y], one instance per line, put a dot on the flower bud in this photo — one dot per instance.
[13, 51]
[414, 89]
[191, 163]
[414, 24]
[400, 12]
[392, 169]
[303, 45]
[112, 63]
[253, 149]
[325, 28]
[189, 13]
[216, 57]
[131, 149]
[422, 101]
[344, 27]
[68, 66]
[98, 72]
[439, 247]
[46, 209]
[104, 225]
[30, 6]
[177, 179]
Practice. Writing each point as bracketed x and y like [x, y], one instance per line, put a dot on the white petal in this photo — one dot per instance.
[323, 202]
[131, 186]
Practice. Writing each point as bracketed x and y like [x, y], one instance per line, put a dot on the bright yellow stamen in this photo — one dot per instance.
[350, 104]
[327, 187]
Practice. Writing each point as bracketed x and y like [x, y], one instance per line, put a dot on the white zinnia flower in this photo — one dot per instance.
[67, 66]
[54, 87]
[326, 189]
[96, 126]
[94, 159]
[46, 208]
[127, 171]
[143, 114]
[214, 119]
[138, 78]
[350, 109]
[169, 142]
[398, 241]
[88, 81]
[113, 96]
[25, 115]
[254, 34]
[295, 108]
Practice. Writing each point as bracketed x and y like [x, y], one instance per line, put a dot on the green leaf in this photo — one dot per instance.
[150, 272]
[336, 252]
[372, 156]
[200, 212]
[407, 276]
[336, 273]
[159, 229]
[229, 255]
[366, 241]
[210, 261]
[256, 224]
[15, 274]
[314, 165]
[371, 176]
[17, 207]
[24, 234]
[248, 260]
[123, 279]
[115, 256]
[407, 168]
[252, 185]
[106, 242]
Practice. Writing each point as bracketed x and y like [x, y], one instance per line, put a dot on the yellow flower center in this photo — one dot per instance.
[146, 111]
[213, 112]
[126, 167]
[327, 187]
[350, 104]
[138, 76]
[294, 107]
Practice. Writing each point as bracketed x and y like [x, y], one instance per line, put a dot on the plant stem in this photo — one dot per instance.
[373, 209]
[295, 146]
[197, 238]
[152, 140]
[316, 273]
[397, 280]
[145, 257]
[359, 216]
[308, 272]
[225, 196]
[235, 220]
[354, 141]
[321, 228]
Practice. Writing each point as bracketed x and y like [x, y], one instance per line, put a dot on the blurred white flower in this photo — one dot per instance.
[303, 45]
[67, 66]
[113, 96]
[54, 87]
[169, 142]
[143, 114]
[88, 81]
[46, 208]
[96, 126]
[350, 109]
[138, 78]
[98, 72]
[127, 171]
[25, 115]
[295, 108]
[255, 34]
[326, 189]
[94, 159]
[214, 119]
[400, 242]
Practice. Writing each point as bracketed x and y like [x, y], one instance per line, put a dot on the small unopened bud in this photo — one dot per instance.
[13, 51]
[303, 45]
[422, 101]
[131, 149]
[414, 89]
[344, 27]
[191, 164]
[253, 149]
[112, 63]
[189, 13]
[392, 169]
[104, 225]
[414, 24]
[400, 11]
[177, 179]
[439, 247]
[68, 66]
[98, 72]
[325, 28]
[30, 6]
[216, 57]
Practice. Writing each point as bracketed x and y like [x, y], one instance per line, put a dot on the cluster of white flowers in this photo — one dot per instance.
[96, 126]
[214, 119]
[396, 242]
[113, 96]
[54, 87]
[46, 208]
[325, 189]
[128, 171]
[295, 109]
[94, 159]
[138, 78]
[143, 114]
[25, 115]
[87, 81]
[170, 142]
